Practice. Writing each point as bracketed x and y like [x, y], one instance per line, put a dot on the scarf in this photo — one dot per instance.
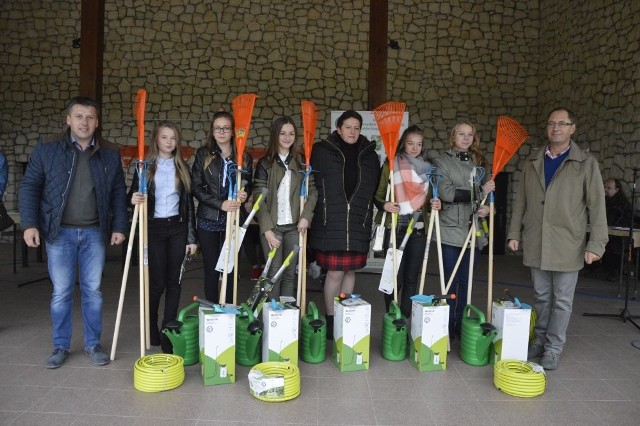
[410, 183]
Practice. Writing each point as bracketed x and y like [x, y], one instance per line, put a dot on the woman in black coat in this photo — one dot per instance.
[346, 168]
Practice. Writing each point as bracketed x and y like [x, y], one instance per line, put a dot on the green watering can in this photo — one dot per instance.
[183, 334]
[248, 338]
[476, 337]
[313, 340]
[394, 334]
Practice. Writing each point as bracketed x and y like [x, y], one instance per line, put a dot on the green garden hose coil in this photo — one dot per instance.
[274, 381]
[157, 373]
[519, 378]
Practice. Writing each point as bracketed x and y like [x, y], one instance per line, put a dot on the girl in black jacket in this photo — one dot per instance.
[211, 189]
[171, 221]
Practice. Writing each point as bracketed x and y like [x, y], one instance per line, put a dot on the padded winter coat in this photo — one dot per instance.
[341, 224]
[51, 169]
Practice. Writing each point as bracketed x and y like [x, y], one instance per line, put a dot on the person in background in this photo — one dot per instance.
[460, 205]
[171, 222]
[4, 174]
[560, 193]
[347, 169]
[281, 220]
[73, 197]
[411, 163]
[210, 185]
[619, 213]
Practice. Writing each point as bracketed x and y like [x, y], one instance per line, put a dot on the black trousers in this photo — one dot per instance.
[211, 243]
[167, 247]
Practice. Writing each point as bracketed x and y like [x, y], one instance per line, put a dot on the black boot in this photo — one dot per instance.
[329, 327]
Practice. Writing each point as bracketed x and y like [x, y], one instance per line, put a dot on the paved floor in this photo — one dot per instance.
[597, 383]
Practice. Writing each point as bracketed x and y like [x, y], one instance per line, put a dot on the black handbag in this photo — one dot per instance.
[5, 219]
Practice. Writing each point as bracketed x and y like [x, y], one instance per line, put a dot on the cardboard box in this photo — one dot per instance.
[429, 336]
[351, 334]
[512, 325]
[280, 336]
[217, 347]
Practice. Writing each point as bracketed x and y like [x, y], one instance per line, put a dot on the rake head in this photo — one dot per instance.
[389, 118]
[509, 137]
[309, 121]
[242, 110]
[139, 107]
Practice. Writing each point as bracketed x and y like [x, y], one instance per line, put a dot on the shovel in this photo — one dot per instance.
[388, 270]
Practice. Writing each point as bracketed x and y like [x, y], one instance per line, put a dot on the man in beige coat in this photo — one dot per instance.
[560, 193]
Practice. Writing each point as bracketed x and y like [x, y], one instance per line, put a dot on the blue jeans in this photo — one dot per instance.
[84, 248]
[459, 285]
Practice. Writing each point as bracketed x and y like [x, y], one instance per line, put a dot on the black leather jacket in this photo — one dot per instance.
[186, 209]
[206, 182]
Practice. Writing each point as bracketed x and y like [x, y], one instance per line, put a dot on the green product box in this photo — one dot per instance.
[429, 336]
[217, 347]
[351, 334]
[280, 336]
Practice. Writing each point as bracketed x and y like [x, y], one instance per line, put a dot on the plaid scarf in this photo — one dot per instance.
[410, 183]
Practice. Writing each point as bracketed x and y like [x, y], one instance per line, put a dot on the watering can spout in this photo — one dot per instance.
[485, 340]
[178, 340]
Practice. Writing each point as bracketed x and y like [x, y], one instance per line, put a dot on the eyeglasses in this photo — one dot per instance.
[224, 129]
[561, 124]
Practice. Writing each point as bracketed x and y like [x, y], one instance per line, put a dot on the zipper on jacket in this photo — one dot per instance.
[348, 212]
[324, 202]
[366, 216]
[65, 192]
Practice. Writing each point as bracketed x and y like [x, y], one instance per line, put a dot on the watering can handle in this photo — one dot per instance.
[313, 310]
[476, 311]
[183, 313]
[394, 310]
[246, 308]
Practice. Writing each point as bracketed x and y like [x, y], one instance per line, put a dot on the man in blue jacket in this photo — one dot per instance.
[73, 196]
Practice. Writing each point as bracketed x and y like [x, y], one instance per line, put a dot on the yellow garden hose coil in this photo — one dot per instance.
[274, 381]
[519, 378]
[157, 373]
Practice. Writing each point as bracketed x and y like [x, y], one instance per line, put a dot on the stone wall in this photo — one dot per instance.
[590, 61]
[456, 60]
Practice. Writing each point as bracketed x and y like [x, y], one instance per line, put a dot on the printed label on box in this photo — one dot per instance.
[512, 325]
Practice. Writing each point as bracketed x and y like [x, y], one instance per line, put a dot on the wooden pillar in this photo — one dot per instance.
[378, 44]
[91, 48]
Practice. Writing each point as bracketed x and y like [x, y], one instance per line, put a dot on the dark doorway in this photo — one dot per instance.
[500, 218]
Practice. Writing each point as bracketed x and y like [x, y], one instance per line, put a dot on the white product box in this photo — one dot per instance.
[280, 336]
[512, 325]
[429, 336]
[351, 334]
[217, 347]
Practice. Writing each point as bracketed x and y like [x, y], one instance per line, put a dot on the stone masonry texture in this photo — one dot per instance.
[457, 60]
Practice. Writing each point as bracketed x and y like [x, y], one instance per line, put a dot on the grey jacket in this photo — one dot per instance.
[455, 215]
[552, 222]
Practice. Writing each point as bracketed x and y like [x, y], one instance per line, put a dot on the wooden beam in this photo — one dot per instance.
[378, 45]
[91, 48]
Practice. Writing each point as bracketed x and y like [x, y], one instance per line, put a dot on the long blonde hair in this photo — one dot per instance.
[183, 177]
[478, 159]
